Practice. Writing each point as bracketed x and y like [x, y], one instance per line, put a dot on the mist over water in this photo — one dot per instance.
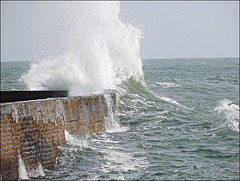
[100, 52]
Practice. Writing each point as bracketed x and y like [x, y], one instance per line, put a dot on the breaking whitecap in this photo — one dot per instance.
[230, 112]
[167, 84]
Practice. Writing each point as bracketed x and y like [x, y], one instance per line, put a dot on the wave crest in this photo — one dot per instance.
[230, 112]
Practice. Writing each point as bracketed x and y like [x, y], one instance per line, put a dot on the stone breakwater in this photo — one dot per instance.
[32, 131]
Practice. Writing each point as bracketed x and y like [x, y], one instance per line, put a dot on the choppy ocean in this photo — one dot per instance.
[180, 123]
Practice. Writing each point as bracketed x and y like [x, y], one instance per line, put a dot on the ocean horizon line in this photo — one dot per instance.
[160, 58]
[189, 58]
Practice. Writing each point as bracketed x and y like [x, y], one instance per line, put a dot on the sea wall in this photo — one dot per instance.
[31, 131]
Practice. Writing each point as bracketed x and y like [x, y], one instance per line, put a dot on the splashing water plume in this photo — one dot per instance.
[100, 52]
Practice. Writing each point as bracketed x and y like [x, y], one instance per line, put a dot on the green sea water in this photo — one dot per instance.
[182, 125]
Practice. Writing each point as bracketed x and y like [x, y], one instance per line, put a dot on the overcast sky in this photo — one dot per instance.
[170, 29]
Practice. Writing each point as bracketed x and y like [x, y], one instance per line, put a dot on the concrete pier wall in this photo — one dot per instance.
[31, 131]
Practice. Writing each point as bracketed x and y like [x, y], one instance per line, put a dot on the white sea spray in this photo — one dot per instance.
[231, 113]
[100, 52]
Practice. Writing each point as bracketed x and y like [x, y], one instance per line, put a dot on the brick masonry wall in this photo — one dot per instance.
[33, 130]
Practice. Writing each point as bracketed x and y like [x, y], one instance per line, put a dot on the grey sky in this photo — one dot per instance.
[186, 29]
[170, 29]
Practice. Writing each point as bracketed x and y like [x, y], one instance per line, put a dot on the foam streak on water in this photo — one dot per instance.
[99, 52]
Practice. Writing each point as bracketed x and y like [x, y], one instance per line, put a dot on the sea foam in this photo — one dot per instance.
[230, 112]
[100, 52]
